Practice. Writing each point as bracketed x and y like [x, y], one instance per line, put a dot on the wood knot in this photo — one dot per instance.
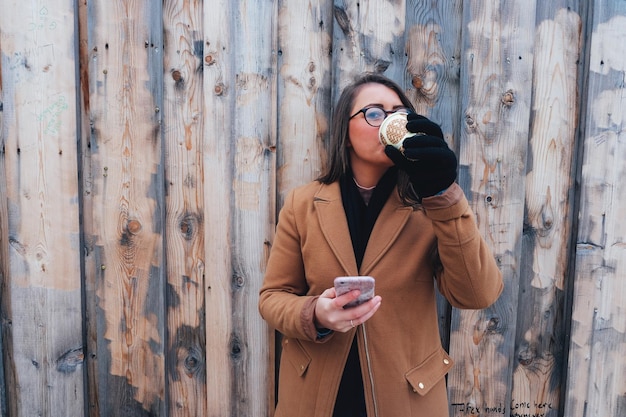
[238, 282]
[176, 75]
[134, 226]
[219, 89]
[508, 98]
[490, 200]
[493, 324]
[235, 348]
[189, 226]
[193, 362]
[526, 356]
[70, 361]
[417, 81]
[209, 60]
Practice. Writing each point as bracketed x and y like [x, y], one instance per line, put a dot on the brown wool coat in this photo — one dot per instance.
[402, 361]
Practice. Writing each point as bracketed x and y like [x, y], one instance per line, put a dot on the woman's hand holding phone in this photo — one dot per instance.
[333, 310]
[364, 284]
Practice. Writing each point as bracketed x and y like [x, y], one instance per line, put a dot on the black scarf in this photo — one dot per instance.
[361, 218]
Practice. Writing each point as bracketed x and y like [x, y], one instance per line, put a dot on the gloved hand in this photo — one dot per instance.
[426, 157]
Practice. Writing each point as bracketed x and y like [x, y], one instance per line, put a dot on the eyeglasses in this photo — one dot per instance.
[375, 115]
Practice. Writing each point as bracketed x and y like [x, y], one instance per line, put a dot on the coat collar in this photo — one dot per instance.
[332, 220]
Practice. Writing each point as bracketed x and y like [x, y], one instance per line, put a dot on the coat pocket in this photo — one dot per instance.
[426, 375]
[294, 352]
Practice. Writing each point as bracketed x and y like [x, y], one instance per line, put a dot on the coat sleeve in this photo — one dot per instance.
[470, 277]
[283, 299]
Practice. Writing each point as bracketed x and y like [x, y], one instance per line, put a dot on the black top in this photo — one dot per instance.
[361, 219]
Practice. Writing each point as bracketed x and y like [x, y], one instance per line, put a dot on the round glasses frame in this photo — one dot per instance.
[375, 115]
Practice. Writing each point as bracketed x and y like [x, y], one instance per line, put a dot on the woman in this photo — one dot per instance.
[398, 217]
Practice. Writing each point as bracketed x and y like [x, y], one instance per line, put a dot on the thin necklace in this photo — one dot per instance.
[363, 188]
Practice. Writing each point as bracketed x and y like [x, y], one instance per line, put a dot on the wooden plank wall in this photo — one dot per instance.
[597, 371]
[184, 202]
[496, 66]
[4, 253]
[148, 146]
[42, 315]
[546, 238]
[126, 233]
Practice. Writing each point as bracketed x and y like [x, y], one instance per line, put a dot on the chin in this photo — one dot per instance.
[386, 162]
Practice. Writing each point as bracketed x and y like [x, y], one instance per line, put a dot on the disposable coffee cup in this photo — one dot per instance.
[393, 130]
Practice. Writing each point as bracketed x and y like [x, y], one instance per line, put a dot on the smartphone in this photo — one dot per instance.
[364, 284]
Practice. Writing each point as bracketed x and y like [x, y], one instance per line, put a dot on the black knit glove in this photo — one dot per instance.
[426, 158]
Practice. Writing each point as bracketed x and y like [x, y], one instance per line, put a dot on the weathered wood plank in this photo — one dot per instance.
[41, 293]
[184, 227]
[368, 36]
[304, 79]
[89, 230]
[433, 47]
[240, 90]
[4, 245]
[128, 209]
[304, 64]
[496, 100]
[253, 189]
[597, 365]
[218, 119]
[433, 80]
[540, 340]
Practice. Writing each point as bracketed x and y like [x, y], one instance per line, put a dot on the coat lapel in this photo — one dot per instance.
[332, 220]
[390, 222]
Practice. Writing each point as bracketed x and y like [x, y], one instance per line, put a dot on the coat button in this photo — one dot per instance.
[420, 385]
[446, 362]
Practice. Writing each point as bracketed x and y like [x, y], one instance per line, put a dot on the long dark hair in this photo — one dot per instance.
[338, 155]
